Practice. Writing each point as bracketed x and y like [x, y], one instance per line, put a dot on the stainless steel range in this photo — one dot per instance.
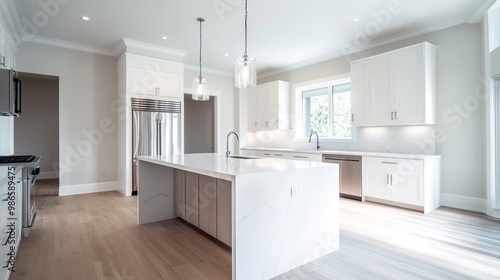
[30, 172]
[31, 169]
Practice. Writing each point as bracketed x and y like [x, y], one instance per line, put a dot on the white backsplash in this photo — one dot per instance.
[396, 139]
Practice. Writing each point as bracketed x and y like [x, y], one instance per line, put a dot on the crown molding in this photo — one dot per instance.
[351, 48]
[208, 70]
[11, 20]
[67, 45]
[476, 13]
[126, 43]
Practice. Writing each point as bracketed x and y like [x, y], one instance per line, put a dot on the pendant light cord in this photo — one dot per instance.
[246, 26]
[200, 20]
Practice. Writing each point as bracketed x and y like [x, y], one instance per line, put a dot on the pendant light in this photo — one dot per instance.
[245, 73]
[200, 84]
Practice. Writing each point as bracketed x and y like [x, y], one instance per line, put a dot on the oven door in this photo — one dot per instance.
[29, 205]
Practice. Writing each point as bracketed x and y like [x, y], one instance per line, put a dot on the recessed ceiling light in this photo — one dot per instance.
[85, 18]
[164, 37]
[226, 54]
[356, 19]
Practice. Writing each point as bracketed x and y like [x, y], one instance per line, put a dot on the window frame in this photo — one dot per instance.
[328, 82]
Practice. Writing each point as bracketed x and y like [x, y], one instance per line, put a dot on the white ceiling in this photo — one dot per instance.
[281, 33]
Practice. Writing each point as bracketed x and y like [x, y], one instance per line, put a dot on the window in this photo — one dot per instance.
[324, 108]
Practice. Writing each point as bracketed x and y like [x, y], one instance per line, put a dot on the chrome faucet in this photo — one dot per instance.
[227, 142]
[317, 139]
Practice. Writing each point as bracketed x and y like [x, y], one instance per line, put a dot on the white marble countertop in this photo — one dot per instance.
[217, 165]
[349, 153]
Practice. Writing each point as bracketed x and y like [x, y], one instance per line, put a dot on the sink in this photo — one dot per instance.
[243, 157]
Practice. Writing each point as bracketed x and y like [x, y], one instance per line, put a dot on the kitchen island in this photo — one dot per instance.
[283, 213]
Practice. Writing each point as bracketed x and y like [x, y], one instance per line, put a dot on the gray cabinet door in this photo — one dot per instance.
[192, 198]
[207, 204]
[224, 210]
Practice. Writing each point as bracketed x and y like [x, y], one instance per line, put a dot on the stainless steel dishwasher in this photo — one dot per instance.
[350, 174]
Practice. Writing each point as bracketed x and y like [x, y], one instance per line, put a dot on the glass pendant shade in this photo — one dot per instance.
[245, 73]
[200, 89]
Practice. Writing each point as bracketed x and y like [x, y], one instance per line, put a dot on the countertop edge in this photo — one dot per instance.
[334, 152]
[188, 168]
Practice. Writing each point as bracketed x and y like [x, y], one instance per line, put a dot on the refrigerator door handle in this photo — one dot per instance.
[158, 133]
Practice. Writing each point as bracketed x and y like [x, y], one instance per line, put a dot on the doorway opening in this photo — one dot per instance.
[199, 125]
[36, 130]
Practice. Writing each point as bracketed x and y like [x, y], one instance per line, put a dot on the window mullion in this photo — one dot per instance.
[330, 112]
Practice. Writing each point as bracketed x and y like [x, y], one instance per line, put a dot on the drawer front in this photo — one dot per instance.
[305, 157]
[404, 167]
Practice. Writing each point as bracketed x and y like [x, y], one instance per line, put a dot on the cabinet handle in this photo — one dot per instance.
[391, 179]
[267, 123]
[392, 115]
[387, 177]
[255, 124]
[352, 118]
[388, 162]
[396, 115]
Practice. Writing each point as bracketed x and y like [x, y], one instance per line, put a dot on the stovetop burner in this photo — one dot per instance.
[16, 159]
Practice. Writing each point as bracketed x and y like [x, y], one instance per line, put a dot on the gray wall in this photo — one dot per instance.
[226, 104]
[199, 126]
[460, 113]
[36, 131]
[87, 123]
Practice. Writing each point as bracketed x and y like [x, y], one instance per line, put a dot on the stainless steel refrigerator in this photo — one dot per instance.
[156, 130]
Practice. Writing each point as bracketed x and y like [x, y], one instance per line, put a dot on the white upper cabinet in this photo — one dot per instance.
[395, 88]
[154, 77]
[268, 106]
[7, 54]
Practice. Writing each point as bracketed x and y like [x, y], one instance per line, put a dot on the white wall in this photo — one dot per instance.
[87, 126]
[36, 131]
[461, 132]
[228, 102]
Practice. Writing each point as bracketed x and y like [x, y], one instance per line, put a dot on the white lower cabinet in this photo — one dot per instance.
[282, 154]
[402, 182]
[305, 157]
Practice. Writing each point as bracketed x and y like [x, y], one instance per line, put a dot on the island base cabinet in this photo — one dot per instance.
[192, 198]
[224, 210]
[207, 204]
[180, 193]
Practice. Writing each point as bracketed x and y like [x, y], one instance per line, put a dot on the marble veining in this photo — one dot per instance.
[162, 195]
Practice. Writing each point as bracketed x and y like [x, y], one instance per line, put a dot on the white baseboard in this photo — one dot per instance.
[48, 175]
[88, 188]
[464, 202]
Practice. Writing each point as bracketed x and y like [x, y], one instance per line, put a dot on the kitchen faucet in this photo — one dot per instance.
[227, 142]
[317, 139]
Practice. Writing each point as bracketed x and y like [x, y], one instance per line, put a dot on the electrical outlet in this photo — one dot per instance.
[294, 191]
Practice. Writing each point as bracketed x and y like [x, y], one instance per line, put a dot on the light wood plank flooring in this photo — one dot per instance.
[95, 236]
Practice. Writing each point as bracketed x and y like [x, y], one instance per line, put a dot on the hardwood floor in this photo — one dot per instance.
[95, 236]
